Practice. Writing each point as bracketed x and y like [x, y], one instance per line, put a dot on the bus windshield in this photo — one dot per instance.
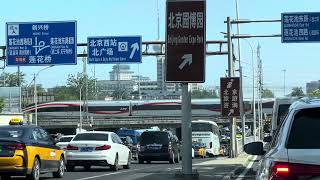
[196, 127]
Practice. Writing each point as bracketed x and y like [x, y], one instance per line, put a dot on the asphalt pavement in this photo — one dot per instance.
[209, 168]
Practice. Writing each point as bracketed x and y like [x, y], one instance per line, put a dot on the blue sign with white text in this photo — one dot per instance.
[300, 27]
[117, 49]
[41, 43]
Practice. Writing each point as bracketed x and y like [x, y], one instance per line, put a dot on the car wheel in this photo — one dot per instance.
[171, 160]
[178, 158]
[35, 173]
[60, 172]
[87, 167]
[70, 168]
[128, 163]
[115, 166]
[5, 177]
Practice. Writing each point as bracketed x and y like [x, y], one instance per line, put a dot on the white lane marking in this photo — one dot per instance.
[108, 174]
[243, 174]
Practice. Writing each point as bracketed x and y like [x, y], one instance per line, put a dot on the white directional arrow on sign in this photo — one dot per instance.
[135, 47]
[187, 58]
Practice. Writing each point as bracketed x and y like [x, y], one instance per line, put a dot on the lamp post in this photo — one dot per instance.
[35, 96]
[253, 90]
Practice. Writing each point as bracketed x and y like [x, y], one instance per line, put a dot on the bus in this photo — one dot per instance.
[207, 132]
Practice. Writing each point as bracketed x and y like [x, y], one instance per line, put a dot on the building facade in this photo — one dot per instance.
[311, 86]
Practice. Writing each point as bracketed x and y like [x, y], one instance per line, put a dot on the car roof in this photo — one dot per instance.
[68, 136]
[19, 126]
[306, 103]
[95, 132]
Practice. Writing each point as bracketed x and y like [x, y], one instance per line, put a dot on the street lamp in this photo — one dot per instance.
[35, 96]
[253, 89]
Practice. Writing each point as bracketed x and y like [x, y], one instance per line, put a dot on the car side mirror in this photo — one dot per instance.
[254, 148]
[267, 139]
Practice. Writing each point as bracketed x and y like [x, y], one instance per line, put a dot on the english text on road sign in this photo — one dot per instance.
[116, 49]
[41, 43]
[229, 96]
[300, 27]
[185, 41]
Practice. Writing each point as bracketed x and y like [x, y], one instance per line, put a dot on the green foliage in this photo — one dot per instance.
[202, 94]
[12, 79]
[1, 104]
[315, 93]
[63, 93]
[297, 92]
[78, 82]
[267, 93]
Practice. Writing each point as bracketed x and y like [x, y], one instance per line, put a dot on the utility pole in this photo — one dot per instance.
[240, 74]
[231, 74]
[85, 76]
[35, 98]
[259, 92]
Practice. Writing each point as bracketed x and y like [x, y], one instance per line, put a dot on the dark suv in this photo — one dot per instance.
[159, 146]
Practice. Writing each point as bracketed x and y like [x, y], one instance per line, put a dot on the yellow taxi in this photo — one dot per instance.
[28, 150]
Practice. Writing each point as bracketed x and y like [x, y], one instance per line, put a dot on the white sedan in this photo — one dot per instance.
[97, 149]
[64, 141]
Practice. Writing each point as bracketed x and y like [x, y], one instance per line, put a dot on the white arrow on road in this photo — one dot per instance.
[187, 58]
[135, 47]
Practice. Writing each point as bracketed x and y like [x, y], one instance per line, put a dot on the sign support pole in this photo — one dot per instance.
[231, 74]
[186, 130]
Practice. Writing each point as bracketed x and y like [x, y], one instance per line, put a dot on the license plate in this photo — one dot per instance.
[86, 149]
[154, 148]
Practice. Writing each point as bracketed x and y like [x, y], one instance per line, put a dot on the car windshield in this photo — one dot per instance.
[305, 129]
[91, 137]
[154, 137]
[11, 132]
[65, 139]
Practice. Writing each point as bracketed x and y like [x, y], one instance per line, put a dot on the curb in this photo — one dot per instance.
[233, 172]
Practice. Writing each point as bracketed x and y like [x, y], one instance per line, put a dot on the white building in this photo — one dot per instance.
[121, 72]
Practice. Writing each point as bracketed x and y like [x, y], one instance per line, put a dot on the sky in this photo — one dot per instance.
[139, 17]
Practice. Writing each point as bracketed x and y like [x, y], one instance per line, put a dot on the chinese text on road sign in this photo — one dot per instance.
[41, 43]
[185, 41]
[300, 27]
[229, 96]
[114, 49]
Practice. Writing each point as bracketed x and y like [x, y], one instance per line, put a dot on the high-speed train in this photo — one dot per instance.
[200, 107]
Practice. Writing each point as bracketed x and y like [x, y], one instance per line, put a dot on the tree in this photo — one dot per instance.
[120, 94]
[202, 94]
[75, 82]
[12, 79]
[2, 104]
[62, 93]
[315, 93]
[267, 93]
[297, 92]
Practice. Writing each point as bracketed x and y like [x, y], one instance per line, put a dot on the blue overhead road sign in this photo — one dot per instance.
[41, 43]
[115, 49]
[300, 27]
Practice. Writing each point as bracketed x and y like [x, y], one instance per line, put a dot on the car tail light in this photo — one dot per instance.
[287, 171]
[16, 146]
[104, 147]
[210, 145]
[72, 148]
